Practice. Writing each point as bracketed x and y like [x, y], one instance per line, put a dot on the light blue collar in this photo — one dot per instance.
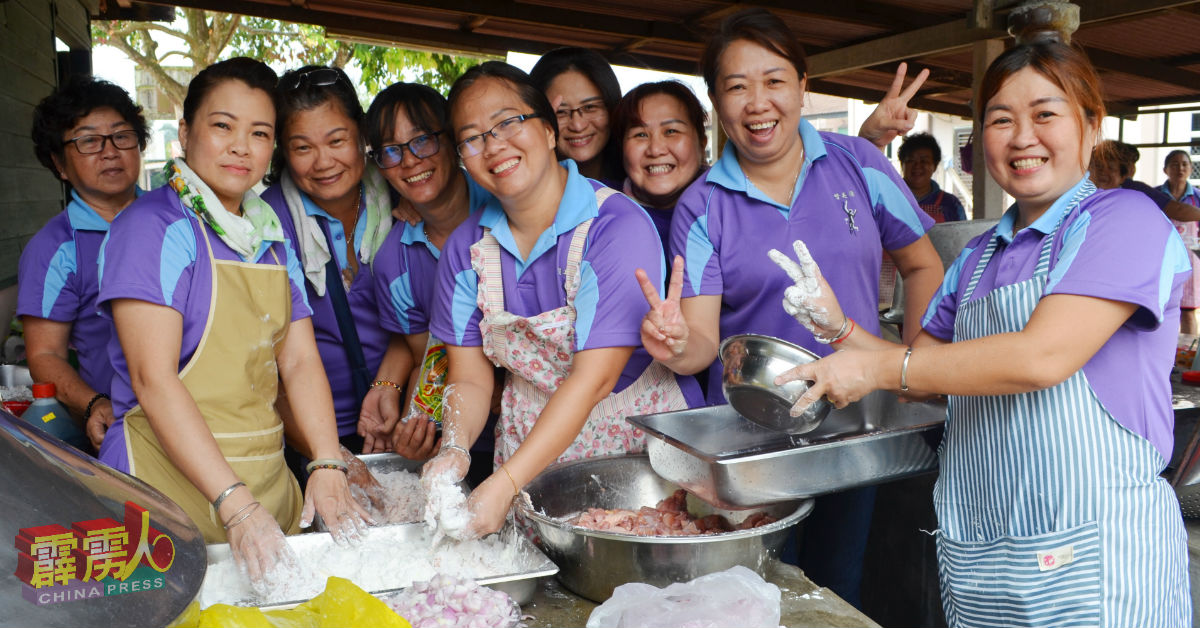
[415, 234]
[335, 227]
[578, 204]
[728, 173]
[1046, 222]
[84, 218]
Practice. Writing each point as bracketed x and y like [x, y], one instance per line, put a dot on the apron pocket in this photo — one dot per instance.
[1046, 580]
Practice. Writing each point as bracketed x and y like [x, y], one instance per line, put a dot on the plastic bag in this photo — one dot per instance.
[734, 597]
[342, 604]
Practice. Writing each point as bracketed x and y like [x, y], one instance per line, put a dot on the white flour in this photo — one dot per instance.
[446, 507]
[390, 557]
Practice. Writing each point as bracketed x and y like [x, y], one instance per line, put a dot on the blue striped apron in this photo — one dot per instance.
[1051, 512]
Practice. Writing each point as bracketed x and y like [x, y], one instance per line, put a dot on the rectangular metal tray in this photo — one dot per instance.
[732, 462]
[520, 586]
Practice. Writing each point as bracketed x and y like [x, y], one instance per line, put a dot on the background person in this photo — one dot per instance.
[90, 134]
[584, 91]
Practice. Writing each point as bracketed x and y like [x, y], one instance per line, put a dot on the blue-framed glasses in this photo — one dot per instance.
[421, 146]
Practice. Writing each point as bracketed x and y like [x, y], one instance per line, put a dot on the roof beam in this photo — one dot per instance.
[1145, 68]
[869, 95]
[1104, 10]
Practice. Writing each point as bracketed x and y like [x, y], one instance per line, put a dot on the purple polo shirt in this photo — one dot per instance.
[57, 280]
[848, 201]
[155, 252]
[1115, 245]
[1190, 195]
[406, 272]
[360, 298]
[609, 305]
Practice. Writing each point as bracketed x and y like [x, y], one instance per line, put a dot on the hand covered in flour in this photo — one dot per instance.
[328, 494]
[259, 548]
[489, 505]
[664, 330]
[369, 493]
[809, 299]
[445, 504]
[892, 117]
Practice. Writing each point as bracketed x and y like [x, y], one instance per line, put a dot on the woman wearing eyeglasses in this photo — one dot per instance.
[537, 282]
[210, 314]
[408, 130]
[584, 91]
[336, 210]
[89, 134]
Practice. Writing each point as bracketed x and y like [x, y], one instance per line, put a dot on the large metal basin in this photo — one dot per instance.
[731, 462]
[592, 563]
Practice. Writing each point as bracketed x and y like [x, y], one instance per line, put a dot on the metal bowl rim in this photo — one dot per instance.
[803, 508]
[764, 337]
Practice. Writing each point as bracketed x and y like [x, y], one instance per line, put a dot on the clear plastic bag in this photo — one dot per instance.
[734, 597]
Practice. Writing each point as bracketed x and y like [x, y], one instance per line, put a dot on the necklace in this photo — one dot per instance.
[795, 180]
[351, 261]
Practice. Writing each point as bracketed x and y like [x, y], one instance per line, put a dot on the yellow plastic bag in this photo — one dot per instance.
[344, 604]
[189, 618]
[226, 616]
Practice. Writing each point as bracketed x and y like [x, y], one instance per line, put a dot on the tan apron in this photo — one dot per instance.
[234, 379]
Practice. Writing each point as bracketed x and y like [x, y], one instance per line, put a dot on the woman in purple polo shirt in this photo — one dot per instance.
[210, 316]
[1178, 167]
[89, 134]
[777, 180]
[335, 208]
[1053, 335]
[537, 282]
[409, 132]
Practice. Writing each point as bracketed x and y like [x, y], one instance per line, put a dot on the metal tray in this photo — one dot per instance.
[732, 462]
[520, 585]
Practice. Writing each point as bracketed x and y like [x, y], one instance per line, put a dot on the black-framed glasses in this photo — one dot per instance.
[316, 77]
[589, 110]
[91, 144]
[503, 131]
[421, 146]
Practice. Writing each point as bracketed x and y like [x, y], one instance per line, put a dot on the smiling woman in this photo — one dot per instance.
[537, 282]
[206, 334]
[336, 208]
[583, 89]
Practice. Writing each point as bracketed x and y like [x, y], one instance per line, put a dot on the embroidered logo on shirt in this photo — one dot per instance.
[850, 216]
[1055, 558]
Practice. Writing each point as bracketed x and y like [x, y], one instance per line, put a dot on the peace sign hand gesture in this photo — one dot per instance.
[664, 330]
[809, 300]
[892, 117]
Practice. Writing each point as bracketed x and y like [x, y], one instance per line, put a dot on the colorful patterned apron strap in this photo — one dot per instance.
[574, 260]
[486, 258]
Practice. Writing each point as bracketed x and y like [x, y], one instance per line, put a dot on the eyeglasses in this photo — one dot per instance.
[90, 144]
[316, 77]
[421, 146]
[503, 131]
[590, 110]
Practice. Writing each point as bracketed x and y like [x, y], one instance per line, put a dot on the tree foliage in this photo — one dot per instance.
[205, 37]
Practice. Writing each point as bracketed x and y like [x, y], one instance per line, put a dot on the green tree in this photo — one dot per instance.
[207, 36]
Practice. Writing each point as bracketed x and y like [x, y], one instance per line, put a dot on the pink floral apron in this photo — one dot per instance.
[537, 353]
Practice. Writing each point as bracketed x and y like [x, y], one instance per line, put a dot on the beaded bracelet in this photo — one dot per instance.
[92, 404]
[327, 463]
[384, 382]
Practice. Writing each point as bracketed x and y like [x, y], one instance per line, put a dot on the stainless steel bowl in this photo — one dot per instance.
[751, 364]
[593, 563]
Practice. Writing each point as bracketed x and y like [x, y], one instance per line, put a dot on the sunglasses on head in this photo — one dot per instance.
[316, 77]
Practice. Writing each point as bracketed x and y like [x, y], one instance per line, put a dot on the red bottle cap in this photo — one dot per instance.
[1191, 377]
[41, 390]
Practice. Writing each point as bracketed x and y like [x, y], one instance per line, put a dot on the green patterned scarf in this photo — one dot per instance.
[244, 234]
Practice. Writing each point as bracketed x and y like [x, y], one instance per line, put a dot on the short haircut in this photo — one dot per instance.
[918, 141]
[628, 112]
[520, 82]
[1171, 155]
[759, 26]
[427, 109]
[254, 73]
[76, 98]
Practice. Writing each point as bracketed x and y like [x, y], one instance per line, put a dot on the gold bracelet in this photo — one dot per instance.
[516, 491]
[384, 382]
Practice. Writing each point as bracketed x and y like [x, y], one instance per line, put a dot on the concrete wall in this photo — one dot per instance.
[29, 70]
